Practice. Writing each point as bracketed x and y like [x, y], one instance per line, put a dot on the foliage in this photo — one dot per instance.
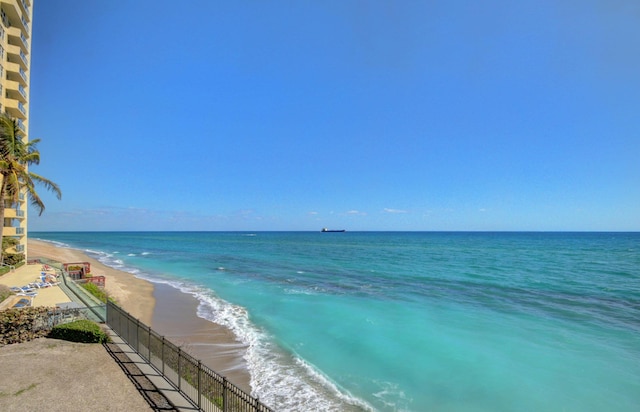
[97, 291]
[5, 292]
[84, 331]
[11, 259]
[16, 155]
[7, 268]
[24, 324]
[9, 242]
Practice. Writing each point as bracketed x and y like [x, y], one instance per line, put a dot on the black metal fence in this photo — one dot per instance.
[208, 390]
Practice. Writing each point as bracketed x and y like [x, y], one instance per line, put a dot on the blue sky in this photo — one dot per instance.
[362, 115]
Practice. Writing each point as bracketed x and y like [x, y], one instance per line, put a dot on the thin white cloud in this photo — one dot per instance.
[356, 212]
[388, 210]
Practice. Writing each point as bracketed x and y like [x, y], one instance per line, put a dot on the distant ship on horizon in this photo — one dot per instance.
[324, 229]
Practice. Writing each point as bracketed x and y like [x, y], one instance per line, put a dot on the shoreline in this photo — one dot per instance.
[165, 309]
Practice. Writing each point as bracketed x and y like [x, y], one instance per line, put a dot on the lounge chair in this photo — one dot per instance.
[22, 289]
[23, 303]
[40, 285]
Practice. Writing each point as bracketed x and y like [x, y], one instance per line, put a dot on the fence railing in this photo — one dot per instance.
[208, 390]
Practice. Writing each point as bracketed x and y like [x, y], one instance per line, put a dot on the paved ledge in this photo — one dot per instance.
[154, 387]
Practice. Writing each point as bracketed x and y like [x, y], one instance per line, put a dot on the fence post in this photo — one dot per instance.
[199, 384]
[224, 394]
[179, 374]
[162, 355]
[149, 343]
[125, 329]
[137, 347]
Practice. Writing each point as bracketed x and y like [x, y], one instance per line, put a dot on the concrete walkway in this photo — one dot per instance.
[146, 377]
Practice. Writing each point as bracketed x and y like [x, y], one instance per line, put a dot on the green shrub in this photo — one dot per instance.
[8, 267]
[84, 331]
[5, 292]
[13, 259]
[97, 291]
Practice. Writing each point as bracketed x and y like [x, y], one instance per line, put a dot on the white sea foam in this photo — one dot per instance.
[110, 260]
[392, 396]
[94, 252]
[299, 291]
[53, 242]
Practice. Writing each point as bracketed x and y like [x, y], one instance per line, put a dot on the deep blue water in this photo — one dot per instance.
[411, 321]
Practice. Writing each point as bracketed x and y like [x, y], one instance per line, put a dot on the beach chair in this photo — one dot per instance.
[23, 303]
[41, 285]
[22, 289]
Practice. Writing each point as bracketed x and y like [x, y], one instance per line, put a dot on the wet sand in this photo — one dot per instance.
[168, 311]
[215, 345]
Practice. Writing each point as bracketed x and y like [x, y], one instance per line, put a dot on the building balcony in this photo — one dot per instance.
[15, 109]
[14, 14]
[16, 91]
[16, 55]
[18, 38]
[14, 214]
[25, 8]
[16, 73]
[13, 231]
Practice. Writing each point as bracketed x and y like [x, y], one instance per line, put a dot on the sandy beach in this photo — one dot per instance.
[167, 310]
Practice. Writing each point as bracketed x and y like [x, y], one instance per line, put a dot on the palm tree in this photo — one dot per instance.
[16, 156]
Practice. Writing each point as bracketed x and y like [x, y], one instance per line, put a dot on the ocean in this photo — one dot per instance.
[410, 321]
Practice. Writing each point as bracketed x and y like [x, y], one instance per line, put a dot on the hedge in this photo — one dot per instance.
[83, 330]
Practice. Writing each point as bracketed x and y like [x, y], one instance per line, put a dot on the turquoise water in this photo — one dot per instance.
[411, 321]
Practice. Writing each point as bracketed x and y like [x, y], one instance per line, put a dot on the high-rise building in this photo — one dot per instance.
[15, 59]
